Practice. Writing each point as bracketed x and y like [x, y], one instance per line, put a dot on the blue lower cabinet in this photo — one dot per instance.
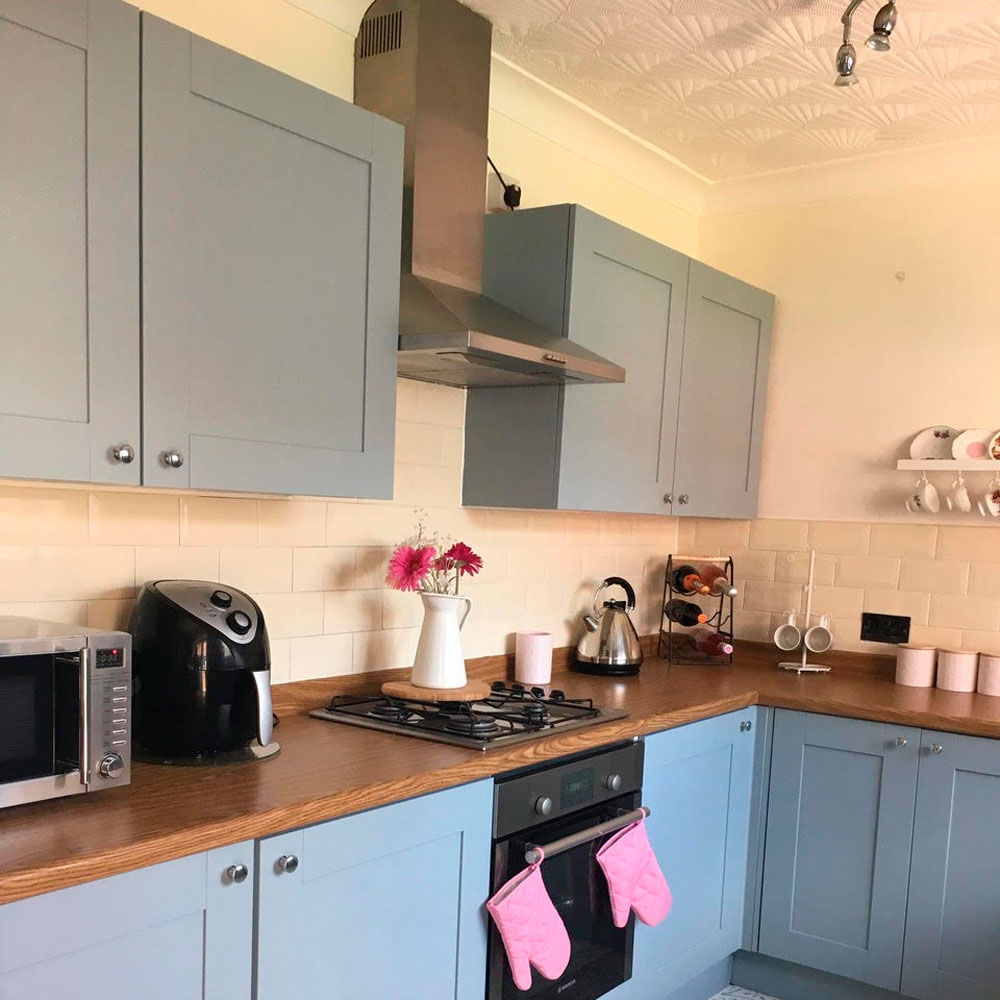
[952, 945]
[697, 782]
[836, 863]
[182, 930]
[382, 905]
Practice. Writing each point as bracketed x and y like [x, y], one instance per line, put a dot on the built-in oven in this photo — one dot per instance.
[65, 710]
[569, 809]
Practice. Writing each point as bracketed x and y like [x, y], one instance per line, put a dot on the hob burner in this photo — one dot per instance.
[471, 725]
[390, 711]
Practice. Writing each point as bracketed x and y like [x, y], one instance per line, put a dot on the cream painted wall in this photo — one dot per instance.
[862, 360]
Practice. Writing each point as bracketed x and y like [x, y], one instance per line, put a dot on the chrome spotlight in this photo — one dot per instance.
[885, 21]
[846, 59]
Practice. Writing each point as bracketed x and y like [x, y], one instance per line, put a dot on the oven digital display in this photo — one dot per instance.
[577, 788]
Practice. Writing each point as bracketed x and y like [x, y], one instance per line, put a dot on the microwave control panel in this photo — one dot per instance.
[111, 715]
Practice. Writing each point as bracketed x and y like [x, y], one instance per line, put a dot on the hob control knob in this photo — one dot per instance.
[221, 599]
[111, 766]
[543, 805]
[239, 622]
[613, 782]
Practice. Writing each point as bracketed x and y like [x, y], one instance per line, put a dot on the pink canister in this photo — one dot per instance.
[915, 665]
[957, 669]
[989, 674]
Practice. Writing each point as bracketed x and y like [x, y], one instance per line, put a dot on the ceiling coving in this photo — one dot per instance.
[737, 88]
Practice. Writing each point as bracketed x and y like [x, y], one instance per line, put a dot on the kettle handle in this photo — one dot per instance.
[612, 581]
[265, 711]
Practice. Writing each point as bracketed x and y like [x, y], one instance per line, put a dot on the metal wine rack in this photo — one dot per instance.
[675, 645]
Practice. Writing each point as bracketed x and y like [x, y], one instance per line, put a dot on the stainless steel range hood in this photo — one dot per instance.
[426, 64]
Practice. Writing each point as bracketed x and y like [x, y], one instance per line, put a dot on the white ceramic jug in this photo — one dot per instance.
[439, 662]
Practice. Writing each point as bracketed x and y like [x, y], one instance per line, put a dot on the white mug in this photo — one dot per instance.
[924, 498]
[819, 638]
[958, 498]
[787, 636]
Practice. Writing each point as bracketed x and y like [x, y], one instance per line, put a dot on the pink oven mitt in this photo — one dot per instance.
[532, 932]
[635, 881]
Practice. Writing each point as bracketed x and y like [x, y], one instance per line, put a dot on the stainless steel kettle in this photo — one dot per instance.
[610, 645]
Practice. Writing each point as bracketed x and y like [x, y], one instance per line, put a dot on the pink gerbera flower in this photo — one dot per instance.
[462, 557]
[409, 566]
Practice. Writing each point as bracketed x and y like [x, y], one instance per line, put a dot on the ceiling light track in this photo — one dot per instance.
[878, 41]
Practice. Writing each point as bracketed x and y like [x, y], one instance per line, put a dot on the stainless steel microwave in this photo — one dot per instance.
[65, 710]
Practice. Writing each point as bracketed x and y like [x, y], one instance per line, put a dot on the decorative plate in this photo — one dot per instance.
[935, 442]
[973, 443]
[993, 448]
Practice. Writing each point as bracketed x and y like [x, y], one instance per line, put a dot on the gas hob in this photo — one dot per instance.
[507, 715]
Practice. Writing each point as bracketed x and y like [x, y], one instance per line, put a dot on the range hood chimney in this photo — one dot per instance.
[426, 65]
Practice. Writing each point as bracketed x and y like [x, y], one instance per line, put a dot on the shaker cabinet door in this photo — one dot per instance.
[950, 951]
[69, 239]
[696, 782]
[382, 905]
[626, 302]
[727, 346]
[271, 229]
[836, 861]
[182, 930]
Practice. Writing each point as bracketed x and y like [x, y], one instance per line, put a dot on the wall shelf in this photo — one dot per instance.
[948, 465]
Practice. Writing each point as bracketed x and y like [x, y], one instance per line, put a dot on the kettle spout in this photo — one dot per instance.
[591, 622]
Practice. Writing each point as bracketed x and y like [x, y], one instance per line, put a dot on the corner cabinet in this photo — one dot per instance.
[69, 239]
[182, 930]
[697, 784]
[386, 903]
[271, 218]
[681, 435]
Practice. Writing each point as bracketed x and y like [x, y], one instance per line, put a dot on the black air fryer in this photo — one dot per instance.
[201, 673]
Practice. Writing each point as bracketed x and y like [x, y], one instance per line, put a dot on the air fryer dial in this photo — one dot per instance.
[237, 620]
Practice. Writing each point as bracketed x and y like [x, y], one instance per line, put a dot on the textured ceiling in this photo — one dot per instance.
[734, 88]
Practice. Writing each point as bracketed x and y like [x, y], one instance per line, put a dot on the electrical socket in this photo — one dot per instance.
[885, 628]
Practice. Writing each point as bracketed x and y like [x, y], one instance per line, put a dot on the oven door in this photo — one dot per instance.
[40, 726]
[601, 954]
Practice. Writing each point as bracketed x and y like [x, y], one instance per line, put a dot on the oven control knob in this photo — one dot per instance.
[543, 805]
[613, 782]
[111, 766]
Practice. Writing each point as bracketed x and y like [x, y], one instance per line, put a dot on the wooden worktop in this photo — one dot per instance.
[326, 769]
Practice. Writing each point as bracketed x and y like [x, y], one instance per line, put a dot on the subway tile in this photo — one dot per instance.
[452, 447]
[281, 661]
[437, 487]
[983, 642]
[388, 650]
[655, 529]
[84, 572]
[419, 444]
[355, 610]
[371, 564]
[326, 569]
[549, 525]
[171, 562]
[527, 562]
[582, 527]
[913, 540]
[404, 483]
[289, 615]
[564, 562]
[111, 615]
[866, 571]
[779, 534]
[508, 527]
[962, 612]
[753, 564]
[713, 536]
[984, 579]
[616, 529]
[687, 536]
[259, 570]
[218, 521]
[292, 522]
[793, 567]
[968, 543]
[313, 656]
[850, 537]
[368, 523]
[847, 635]
[440, 404]
[838, 602]
[500, 600]
[42, 516]
[762, 595]
[943, 638]
[400, 609]
[18, 574]
[898, 602]
[752, 626]
[934, 576]
[406, 399]
[134, 519]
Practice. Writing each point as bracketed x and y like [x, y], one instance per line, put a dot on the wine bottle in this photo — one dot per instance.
[684, 612]
[715, 580]
[706, 640]
[685, 580]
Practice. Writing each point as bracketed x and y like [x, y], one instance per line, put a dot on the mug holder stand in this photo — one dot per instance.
[675, 645]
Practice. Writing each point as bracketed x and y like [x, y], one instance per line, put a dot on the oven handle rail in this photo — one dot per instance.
[536, 852]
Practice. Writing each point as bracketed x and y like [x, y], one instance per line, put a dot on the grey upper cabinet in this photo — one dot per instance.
[69, 239]
[681, 435]
[270, 241]
[727, 348]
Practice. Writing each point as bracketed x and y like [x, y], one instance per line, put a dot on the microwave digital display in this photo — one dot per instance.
[110, 658]
[576, 788]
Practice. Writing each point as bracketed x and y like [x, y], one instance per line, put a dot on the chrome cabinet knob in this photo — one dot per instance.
[123, 453]
[937, 748]
[901, 742]
[286, 863]
[543, 805]
[172, 459]
[668, 498]
[111, 766]
[613, 782]
[237, 873]
[683, 498]
[746, 726]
